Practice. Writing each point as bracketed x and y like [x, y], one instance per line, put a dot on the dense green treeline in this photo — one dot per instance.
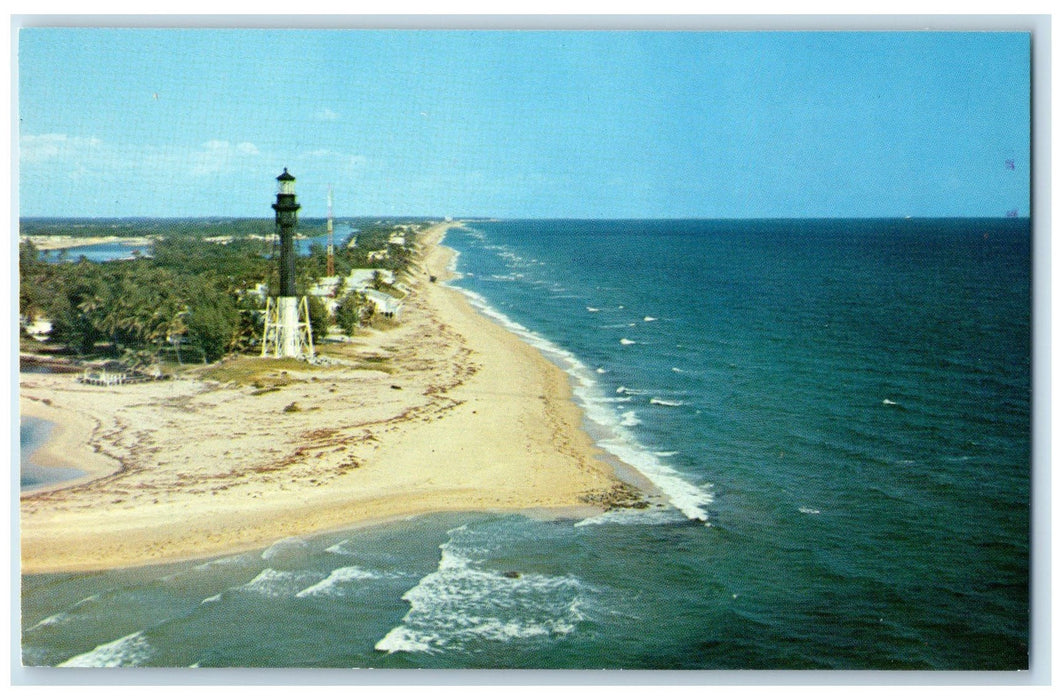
[131, 227]
[192, 299]
[169, 228]
[205, 227]
[134, 307]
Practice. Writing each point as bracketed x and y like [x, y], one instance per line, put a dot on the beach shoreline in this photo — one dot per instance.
[67, 446]
[447, 411]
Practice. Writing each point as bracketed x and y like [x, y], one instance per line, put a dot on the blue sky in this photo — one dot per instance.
[138, 122]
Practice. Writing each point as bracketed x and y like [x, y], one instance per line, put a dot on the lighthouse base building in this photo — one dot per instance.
[287, 328]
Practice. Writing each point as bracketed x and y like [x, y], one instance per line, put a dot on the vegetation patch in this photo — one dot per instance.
[263, 373]
[358, 361]
[197, 295]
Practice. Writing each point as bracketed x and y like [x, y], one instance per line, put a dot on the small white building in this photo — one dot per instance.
[358, 280]
[361, 278]
[325, 287]
[386, 305]
[38, 329]
[261, 290]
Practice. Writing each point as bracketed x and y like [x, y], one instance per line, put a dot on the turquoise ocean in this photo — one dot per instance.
[838, 412]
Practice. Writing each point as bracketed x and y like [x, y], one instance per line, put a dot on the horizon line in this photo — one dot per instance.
[423, 217]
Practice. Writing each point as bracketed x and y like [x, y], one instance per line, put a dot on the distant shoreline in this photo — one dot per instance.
[190, 469]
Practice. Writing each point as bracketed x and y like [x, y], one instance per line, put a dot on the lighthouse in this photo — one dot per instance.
[287, 320]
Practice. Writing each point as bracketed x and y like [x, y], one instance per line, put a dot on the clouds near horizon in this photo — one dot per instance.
[584, 124]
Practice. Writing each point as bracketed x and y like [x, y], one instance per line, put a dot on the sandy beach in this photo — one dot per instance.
[445, 412]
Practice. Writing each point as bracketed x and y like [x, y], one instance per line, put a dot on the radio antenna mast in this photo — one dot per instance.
[330, 268]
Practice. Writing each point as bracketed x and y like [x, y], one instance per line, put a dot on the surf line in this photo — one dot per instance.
[688, 498]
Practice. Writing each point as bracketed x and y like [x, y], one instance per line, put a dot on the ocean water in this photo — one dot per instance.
[837, 411]
[34, 433]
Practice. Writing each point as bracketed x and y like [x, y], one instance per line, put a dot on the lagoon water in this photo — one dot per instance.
[838, 412]
[34, 433]
[96, 252]
[105, 252]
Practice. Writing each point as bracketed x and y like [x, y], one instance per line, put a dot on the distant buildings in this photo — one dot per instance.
[329, 289]
[362, 278]
[386, 305]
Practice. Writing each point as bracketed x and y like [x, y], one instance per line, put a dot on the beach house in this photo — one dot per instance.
[385, 304]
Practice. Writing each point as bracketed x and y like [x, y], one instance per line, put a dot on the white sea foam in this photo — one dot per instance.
[51, 620]
[664, 402]
[592, 309]
[460, 602]
[626, 341]
[690, 499]
[403, 638]
[630, 419]
[888, 402]
[649, 319]
[626, 516]
[224, 561]
[339, 548]
[451, 266]
[64, 615]
[131, 650]
[601, 370]
[278, 584]
[808, 511]
[283, 547]
[335, 581]
[629, 392]
[271, 583]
